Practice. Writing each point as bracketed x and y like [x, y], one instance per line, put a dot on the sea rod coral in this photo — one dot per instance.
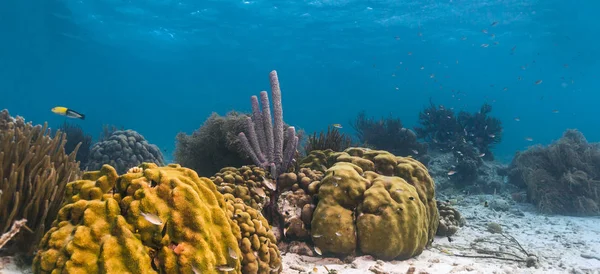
[263, 140]
[34, 170]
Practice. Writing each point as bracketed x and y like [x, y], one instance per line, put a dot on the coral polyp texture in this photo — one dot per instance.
[245, 183]
[122, 150]
[150, 220]
[34, 170]
[374, 203]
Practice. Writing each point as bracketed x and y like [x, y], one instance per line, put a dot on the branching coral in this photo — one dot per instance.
[214, 145]
[34, 170]
[75, 136]
[481, 130]
[443, 130]
[331, 139]
[388, 134]
[563, 178]
[263, 140]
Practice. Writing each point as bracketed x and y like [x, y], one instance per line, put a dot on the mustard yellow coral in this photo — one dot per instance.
[376, 203]
[161, 220]
[256, 239]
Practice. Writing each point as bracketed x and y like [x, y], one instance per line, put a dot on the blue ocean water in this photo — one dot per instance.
[161, 67]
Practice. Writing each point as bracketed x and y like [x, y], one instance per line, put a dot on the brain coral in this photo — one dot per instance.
[123, 149]
[375, 203]
[150, 220]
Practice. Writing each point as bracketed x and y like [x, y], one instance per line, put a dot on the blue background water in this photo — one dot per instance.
[161, 67]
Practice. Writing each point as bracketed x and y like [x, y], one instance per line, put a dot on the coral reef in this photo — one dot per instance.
[75, 136]
[450, 219]
[248, 183]
[123, 149]
[562, 178]
[331, 139]
[34, 170]
[388, 134]
[445, 131]
[154, 220]
[214, 145]
[263, 141]
[375, 203]
[257, 242]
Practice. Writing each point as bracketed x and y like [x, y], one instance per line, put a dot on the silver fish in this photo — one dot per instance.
[318, 251]
[232, 253]
[152, 218]
[225, 268]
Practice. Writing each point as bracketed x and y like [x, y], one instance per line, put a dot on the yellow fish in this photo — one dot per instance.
[337, 125]
[68, 112]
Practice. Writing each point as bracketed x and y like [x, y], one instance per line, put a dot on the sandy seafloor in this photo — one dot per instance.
[563, 244]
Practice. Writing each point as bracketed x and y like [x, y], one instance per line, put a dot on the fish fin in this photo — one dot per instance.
[82, 116]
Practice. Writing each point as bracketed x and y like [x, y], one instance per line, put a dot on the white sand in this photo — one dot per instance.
[563, 245]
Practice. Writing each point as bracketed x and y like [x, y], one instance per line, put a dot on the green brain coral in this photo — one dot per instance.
[150, 220]
[375, 203]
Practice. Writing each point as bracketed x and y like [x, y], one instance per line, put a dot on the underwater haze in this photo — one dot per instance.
[161, 67]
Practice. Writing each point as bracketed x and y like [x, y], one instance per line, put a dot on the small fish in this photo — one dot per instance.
[481, 155]
[260, 192]
[409, 53]
[68, 112]
[463, 38]
[232, 253]
[484, 31]
[337, 125]
[485, 204]
[338, 234]
[517, 119]
[318, 251]
[555, 111]
[485, 45]
[317, 236]
[494, 23]
[225, 268]
[492, 136]
[528, 139]
[446, 251]
[152, 218]
[269, 184]
[415, 152]
[422, 67]
[432, 76]
[450, 239]
[451, 172]
[519, 78]
[538, 82]
[505, 89]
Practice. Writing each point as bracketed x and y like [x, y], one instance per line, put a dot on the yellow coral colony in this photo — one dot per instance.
[104, 227]
[374, 202]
